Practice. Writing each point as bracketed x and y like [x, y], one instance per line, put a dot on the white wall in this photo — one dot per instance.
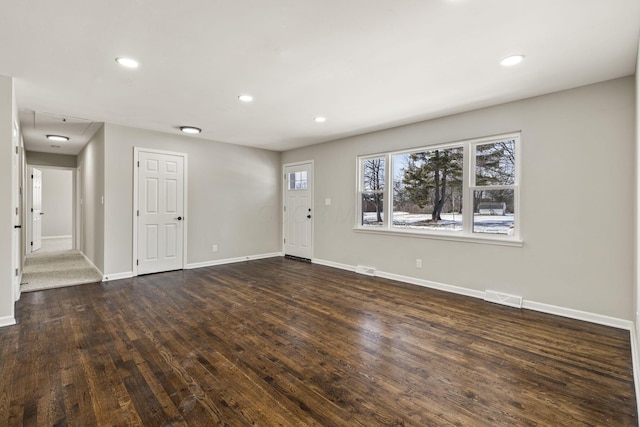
[57, 202]
[91, 171]
[577, 202]
[233, 197]
[6, 202]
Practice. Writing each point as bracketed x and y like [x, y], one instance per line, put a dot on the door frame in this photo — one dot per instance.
[284, 201]
[76, 219]
[185, 222]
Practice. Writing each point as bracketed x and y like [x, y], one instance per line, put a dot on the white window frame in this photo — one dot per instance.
[468, 187]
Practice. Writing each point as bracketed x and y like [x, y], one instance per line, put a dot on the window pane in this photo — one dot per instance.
[493, 212]
[372, 213]
[427, 190]
[495, 163]
[373, 174]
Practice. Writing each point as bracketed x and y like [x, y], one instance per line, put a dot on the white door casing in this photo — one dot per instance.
[17, 232]
[160, 212]
[36, 209]
[298, 210]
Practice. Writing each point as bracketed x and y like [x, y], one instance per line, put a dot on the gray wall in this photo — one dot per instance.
[6, 202]
[577, 202]
[57, 202]
[91, 175]
[233, 196]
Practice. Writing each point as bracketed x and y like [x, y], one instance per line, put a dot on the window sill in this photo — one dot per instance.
[493, 240]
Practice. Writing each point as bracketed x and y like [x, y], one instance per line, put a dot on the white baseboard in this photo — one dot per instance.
[527, 304]
[117, 276]
[347, 267]
[7, 321]
[232, 260]
[433, 285]
[571, 313]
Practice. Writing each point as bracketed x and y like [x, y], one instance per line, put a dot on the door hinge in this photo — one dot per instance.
[17, 271]
[16, 211]
[137, 262]
[285, 240]
[138, 163]
[31, 209]
[17, 150]
[137, 213]
[285, 208]
[31, 176]
[31, 243]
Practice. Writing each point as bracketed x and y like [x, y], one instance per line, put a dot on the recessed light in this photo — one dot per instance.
[190, 129]
[320, 119]
[128, 62]
[512, 60]
[58, 138]
[245, 98]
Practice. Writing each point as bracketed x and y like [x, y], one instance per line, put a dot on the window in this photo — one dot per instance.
[372, 192]
[467, 189]
[298, 180]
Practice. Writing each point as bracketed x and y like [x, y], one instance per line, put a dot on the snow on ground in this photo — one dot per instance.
[492, 224]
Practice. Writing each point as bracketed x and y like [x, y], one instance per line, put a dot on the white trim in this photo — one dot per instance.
[185, 192]
[284, 200]
[571, 313]
[69, 236]
[233, 260]
[117, 276]
[433, 285]
[7, 321]
[18, 290]
[500, 241]
[636, 365]
[526, 304]
[334, 264]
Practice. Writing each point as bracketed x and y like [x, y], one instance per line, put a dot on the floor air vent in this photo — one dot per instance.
[504, 299]
[363, 269]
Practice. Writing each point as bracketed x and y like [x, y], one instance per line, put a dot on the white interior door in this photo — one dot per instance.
[298, 215]
[160, 212]
[36, 209]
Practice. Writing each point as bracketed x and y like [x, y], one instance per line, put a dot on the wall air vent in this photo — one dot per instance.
[504, 299]
[363, 269]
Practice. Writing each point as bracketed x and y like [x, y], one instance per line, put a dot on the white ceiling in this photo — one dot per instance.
[363, 64]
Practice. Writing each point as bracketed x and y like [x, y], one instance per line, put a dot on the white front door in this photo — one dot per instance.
[298, 215]
[36, 209]
[160, 212]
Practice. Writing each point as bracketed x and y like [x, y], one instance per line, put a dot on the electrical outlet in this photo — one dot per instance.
[418, 263]
[214, 248]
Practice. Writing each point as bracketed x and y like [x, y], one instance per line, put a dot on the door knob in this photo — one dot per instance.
[179, 218]
[308, 216]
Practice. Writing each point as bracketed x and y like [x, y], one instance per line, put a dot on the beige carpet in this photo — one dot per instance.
[57, 269]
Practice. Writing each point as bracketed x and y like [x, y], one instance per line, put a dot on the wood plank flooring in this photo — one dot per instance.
[279, 342]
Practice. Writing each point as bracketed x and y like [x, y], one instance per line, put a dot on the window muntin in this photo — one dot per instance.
[297, 180]
[465, 189]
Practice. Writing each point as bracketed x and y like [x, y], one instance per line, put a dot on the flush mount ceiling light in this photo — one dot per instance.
[245, 98]
[127, 62]
[512, 60]
[190, 129]
[319, 119]
[58, 138]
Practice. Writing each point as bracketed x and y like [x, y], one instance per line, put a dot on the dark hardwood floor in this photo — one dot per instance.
[279, 342]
